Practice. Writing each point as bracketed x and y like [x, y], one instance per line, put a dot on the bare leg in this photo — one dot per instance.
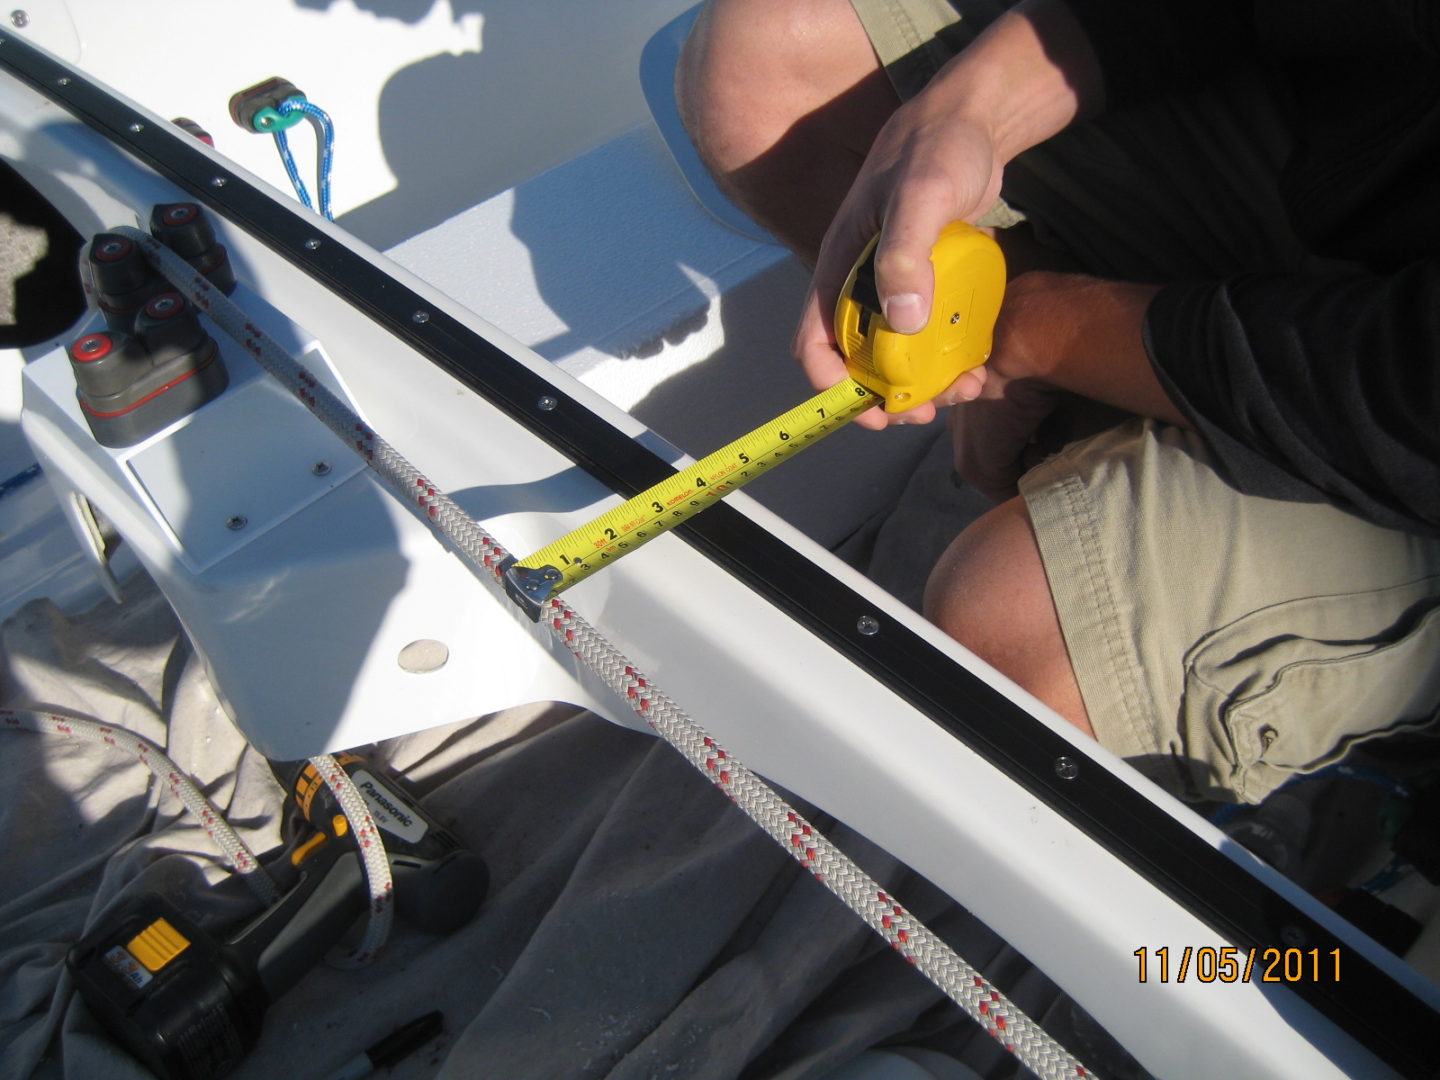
[989, 592]
[783, 98]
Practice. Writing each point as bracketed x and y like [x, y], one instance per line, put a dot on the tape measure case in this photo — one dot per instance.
[910, 369]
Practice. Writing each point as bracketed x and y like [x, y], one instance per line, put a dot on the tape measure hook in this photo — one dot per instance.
[529, 587]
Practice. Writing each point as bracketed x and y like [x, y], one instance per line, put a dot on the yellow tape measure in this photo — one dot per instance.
[899, 371]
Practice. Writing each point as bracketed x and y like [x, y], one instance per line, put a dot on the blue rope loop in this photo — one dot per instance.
[325, 136]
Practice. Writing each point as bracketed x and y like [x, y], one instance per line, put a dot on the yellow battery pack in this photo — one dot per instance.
[910, 369]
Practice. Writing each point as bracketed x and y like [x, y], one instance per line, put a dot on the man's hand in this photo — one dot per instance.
[1057, 332]
[940, 159]
[922, 173]
[995, 433]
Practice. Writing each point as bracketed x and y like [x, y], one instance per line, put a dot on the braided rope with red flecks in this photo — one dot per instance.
[372, 854]
[963, 984]
[237, 852]
[910, 937]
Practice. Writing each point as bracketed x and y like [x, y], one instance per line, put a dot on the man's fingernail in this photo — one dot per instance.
[905, 313]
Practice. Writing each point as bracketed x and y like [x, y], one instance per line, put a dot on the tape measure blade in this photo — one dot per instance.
[677, 498]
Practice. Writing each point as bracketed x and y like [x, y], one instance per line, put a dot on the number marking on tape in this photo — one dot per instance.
[660, 508]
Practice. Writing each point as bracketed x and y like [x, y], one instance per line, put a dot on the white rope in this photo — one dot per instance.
[369, 843]
[237, 852]
[961, 982]
[910, 937]
[368, 838]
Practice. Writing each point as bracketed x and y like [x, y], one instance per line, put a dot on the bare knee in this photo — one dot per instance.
[735, 83]
[990, 593]
[782, 99]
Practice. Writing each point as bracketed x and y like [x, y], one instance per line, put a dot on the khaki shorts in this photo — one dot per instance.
[1222, 642]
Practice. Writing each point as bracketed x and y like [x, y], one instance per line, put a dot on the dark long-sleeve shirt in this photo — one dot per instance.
[1323, 385]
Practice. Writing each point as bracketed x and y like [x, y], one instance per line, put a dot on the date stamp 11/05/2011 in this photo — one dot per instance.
[1228, 964]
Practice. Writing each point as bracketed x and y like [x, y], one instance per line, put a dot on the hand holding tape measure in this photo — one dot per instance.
[898, 371]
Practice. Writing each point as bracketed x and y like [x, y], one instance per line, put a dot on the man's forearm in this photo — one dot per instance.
[1027, 77]
[1085, 335]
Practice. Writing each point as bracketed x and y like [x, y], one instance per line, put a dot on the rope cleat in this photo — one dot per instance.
[129, 387]
[119, 278]
[184, 228]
